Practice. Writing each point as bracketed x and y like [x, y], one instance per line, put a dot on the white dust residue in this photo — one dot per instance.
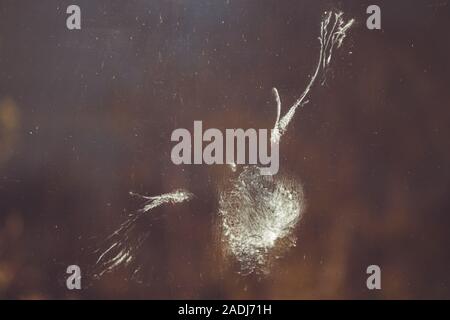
[120, 249]
[259, 213]
[332, 32]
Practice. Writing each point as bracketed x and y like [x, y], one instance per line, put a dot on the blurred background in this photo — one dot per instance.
[86, 117]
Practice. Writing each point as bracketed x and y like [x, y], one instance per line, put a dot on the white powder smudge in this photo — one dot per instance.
[259, 213]
[332, 33]
[120, 249]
